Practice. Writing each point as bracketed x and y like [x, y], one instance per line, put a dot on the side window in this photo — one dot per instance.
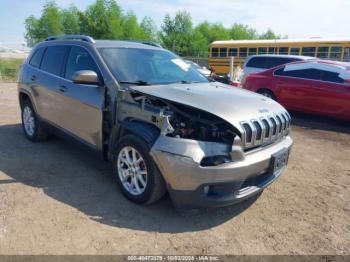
[283, 50]
[331, 77]
[223, 52]
[308, 51]
[335, 53]
[214, 52]
[243, 52]
[272, 50]
[347, 54]
[276, 61]
[279, 72]
[312, 74]
[262, 50]
[322, 52]
[232, 52]
[294, 50]
[53, 59]
[80, 59]
[252, 51]
[258, 62]
[37, 56]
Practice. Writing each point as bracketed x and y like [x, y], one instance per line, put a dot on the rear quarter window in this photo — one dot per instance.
[36, 58]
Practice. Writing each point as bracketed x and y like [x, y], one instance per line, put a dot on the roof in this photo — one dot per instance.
[284, 41]
[300, 57]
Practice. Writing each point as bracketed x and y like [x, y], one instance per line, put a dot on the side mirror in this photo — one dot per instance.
[86, 77]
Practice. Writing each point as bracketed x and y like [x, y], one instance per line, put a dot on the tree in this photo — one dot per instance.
[177, 32]
[70, 20]
[132, 30]
[149, 29]
[269, 34]
[48, 24]
[240, 31]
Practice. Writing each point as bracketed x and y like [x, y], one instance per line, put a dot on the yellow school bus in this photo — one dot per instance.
[221, 51]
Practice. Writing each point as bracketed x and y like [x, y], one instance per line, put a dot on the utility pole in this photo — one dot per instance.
[174, 46]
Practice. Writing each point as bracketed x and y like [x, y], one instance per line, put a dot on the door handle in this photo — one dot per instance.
[63, 89]
[33, 77]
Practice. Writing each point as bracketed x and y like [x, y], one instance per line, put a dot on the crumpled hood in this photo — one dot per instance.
[229, 103]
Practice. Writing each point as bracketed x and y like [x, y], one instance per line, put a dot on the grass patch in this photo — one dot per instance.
[9, 68]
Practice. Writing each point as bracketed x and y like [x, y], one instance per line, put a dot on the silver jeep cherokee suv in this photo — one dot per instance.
[164, 126]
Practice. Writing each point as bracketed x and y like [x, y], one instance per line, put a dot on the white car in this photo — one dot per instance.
[259, 63]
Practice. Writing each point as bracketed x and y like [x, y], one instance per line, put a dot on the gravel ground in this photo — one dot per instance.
[56, 198]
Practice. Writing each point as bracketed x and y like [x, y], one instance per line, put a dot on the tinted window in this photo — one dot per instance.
[294, 50]
[271, 50]
[252, 51]
[79, 59]
[215, 52]
[53, 59]
[232, 52]
[262, 50]
[243, 52]
[258, 62]
[283, 50]
[276, 61]
[223, 52]
[335, 53]
[322, 52]
[331, 77]
[311, 73]
[308, 51]
[36, 58]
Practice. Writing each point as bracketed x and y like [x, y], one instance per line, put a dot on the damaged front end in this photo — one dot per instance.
[183, 130]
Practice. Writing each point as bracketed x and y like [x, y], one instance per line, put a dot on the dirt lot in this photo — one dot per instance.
[56, 198]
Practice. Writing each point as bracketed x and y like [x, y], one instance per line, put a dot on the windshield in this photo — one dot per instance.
[149, 67]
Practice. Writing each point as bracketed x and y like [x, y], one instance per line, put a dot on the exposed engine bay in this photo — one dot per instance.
[177, 120]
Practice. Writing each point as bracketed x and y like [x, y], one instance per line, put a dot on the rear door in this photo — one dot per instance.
[81, 104]
[297, 89]
[334, 95]
[47, 80]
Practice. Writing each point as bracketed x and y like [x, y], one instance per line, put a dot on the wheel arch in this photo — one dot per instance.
[148, 132]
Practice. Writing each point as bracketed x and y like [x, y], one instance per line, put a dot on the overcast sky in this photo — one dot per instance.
[295, 18]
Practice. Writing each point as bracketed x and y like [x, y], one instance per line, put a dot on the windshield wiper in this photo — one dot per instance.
[137, 82]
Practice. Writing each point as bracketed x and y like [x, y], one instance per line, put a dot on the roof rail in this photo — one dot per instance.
[85, 38]
[145, 42]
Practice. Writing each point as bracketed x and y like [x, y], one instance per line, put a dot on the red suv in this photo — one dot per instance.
[318, 86]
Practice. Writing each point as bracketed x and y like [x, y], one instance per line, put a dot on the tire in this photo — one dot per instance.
[32, 127]
[143, 172]
[267, 93]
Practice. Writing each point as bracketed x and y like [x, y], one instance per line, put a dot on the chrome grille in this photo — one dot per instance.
[265, 130]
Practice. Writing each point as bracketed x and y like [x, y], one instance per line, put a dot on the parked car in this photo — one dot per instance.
[203, 70]
[259, 63]
[163, 125]
[319, 86]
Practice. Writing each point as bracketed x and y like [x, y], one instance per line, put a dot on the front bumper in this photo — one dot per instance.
[191, 184]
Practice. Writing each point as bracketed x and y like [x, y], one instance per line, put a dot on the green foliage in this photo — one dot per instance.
[9, 69]
[176, 33]
[105, 19]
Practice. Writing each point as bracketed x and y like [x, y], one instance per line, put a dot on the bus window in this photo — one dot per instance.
[262, 50]
[294, 50]
[252, 51]
[271, 50]
[243, 52]
[283, 50]
[214, 52]
[347, 54]
[335, 53]
[322, 52]
[232, 52]
[308, 51]
[223, 52]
